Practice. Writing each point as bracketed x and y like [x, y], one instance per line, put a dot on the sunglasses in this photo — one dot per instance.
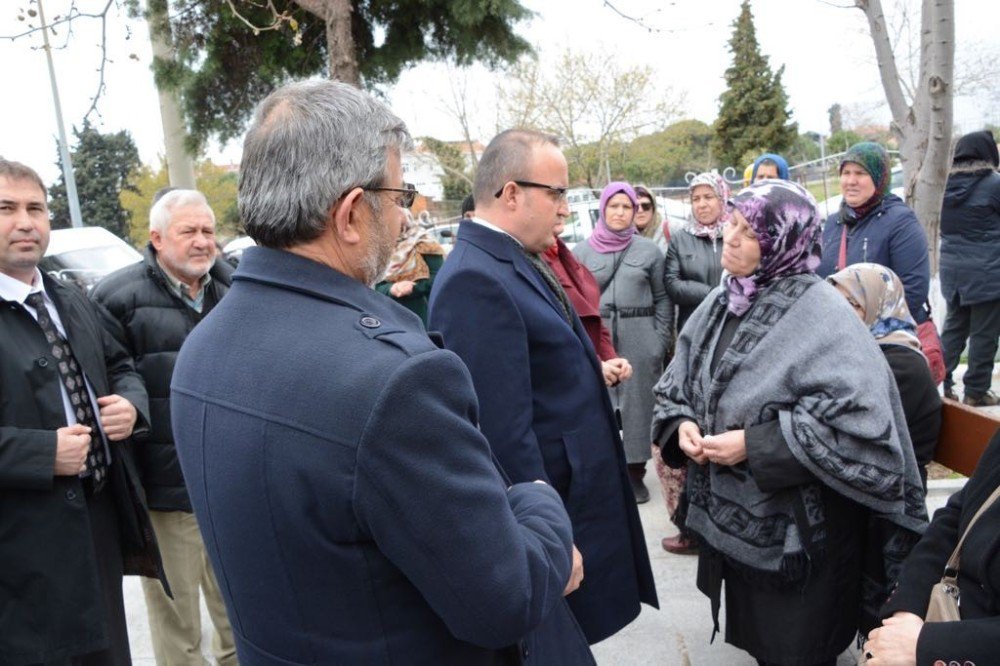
[409, 194]
[645, 206]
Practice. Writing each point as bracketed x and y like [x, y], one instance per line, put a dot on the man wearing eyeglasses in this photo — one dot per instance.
[351, 509]
[543, 403]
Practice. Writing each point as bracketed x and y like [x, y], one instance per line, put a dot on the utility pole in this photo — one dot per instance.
[67, 163]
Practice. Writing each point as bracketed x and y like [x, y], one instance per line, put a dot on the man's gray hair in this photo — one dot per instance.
[507, 158]
[164, 207]
[309, 144]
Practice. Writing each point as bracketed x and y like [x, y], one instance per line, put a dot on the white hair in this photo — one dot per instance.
[161, 214]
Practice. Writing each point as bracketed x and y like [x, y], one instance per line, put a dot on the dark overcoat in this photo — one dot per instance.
[546, 413]
[350, 507]
[975, 638]
[51, 606]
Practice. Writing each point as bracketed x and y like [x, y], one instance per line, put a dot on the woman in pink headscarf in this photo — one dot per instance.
[636, 309]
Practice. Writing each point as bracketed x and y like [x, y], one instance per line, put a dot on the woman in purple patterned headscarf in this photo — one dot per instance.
[803, 489]
[781, 219]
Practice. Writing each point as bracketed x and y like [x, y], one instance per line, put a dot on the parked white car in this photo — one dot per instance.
[86, 254]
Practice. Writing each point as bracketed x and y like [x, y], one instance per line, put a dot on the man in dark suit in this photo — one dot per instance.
[349, 504]
[545, 409]
[71, 518]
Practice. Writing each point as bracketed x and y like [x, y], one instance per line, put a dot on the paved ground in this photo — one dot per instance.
[676, 635]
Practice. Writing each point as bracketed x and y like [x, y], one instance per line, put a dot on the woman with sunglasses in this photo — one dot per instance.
[414, 264]
[648, 220]
[636, 309]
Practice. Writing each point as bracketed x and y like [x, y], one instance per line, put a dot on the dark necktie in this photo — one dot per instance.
[553, 283]
[76, 389]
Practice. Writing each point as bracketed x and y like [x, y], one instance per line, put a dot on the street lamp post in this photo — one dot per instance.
[67, 163]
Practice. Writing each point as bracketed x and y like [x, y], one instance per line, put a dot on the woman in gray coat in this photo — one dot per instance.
[693, 268]
[636, 309]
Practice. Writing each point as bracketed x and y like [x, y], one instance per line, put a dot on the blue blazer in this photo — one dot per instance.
[545, 410]
[350, 507]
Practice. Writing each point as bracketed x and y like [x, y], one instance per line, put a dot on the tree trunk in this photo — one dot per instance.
[180, 163]
[924, 127]
[341, 51]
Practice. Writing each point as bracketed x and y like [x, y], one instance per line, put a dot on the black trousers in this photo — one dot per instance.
[980, 325]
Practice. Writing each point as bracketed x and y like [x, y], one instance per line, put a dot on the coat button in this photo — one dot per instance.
[71, 495]
[524, 650]
[42, 362]
[370, 322]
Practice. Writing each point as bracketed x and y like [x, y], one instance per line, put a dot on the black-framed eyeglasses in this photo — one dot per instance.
[560, 192]
[409, 193]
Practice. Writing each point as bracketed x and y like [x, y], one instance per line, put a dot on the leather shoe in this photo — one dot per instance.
[988, 399]
[949, 393]
[678, 545]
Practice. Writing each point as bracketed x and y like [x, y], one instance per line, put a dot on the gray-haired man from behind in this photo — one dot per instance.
[153, 306]
[348, 501]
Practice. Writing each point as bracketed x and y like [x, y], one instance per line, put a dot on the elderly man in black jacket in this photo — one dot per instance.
[72, 519]
[970, 265]
[153, 305]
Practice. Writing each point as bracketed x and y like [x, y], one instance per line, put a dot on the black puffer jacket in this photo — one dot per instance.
[970, 223]
[152, 322]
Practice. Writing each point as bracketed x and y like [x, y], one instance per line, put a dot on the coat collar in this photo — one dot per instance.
[506, 249]
[287, 271]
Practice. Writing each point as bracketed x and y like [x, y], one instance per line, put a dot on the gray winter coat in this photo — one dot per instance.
[636, 309]
[693, 268]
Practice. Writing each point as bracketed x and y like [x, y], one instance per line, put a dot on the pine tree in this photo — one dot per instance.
[753, 117]
[102, 164]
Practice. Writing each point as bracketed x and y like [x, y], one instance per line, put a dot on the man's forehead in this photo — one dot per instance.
[26, 188]
[192, 214]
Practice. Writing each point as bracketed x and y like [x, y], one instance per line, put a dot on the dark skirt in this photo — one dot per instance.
[811, 622]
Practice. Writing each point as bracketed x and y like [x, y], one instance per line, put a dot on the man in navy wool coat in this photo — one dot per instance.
[350, 506]
[545, 408]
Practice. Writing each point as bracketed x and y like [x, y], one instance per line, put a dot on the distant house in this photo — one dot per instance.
[422, 169]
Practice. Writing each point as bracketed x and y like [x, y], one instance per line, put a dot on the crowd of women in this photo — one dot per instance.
[794, 407]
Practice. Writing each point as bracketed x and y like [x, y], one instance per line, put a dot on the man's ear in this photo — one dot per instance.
[348, 217]
[156, 239]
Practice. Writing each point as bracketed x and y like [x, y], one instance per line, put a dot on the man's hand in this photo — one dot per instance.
[72, 446]
[728, 448]
[575, 576]
[117, 417]
[402, 288]
[895, 642]
[690, 440]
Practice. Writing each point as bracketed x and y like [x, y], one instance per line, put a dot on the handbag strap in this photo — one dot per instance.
[614, 270]
[951, 569]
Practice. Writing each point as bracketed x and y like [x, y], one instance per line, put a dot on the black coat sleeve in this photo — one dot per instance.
[771, 461]
[920, 399]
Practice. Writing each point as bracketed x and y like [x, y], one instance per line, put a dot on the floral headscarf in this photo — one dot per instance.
[787, 223]
[407, 262]
[604, 239]
[723, 191]
[879, 292]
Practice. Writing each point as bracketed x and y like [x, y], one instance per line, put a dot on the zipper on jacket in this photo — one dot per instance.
[864, 252]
